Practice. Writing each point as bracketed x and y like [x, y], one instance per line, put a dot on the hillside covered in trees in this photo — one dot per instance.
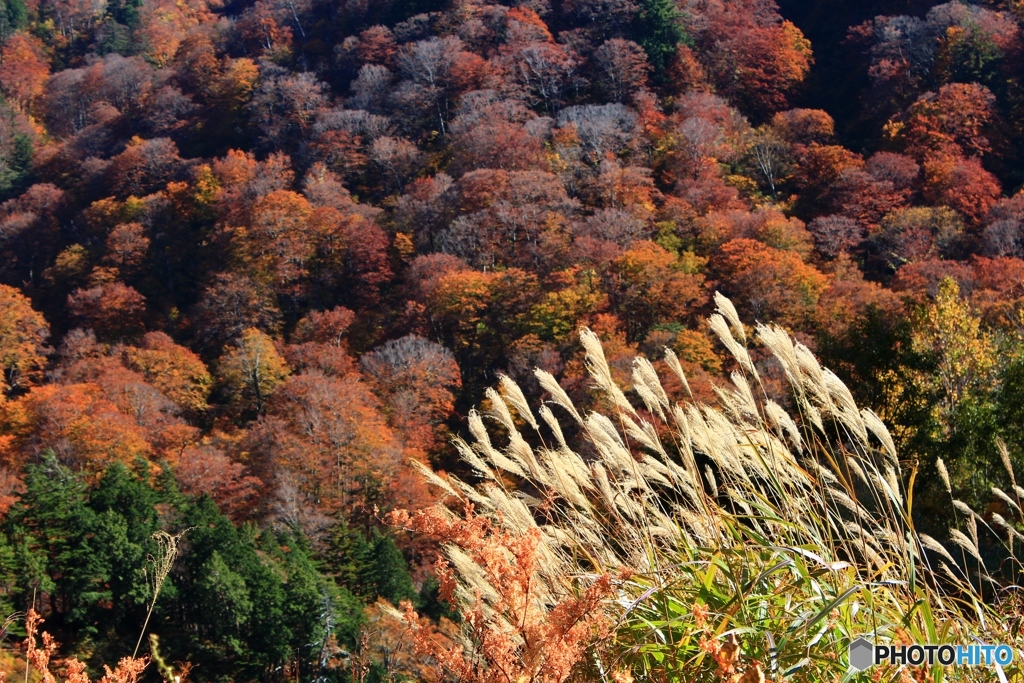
[259, 260]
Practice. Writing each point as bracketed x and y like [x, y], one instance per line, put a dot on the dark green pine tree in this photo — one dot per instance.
[125, 12]
[117, 33]
[126, 518]
[13, 17]
[15, 153]
[384, 572]
[343, 554]
[315, 608]
[10, 591]
[239, 604]
[86, 552]
[658, 29]
[52, 529]
[229, 611]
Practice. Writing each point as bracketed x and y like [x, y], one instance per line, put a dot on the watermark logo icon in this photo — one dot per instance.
[862, 654]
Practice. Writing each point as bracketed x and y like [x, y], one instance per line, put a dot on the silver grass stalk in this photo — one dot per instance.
[967, 544]
[739, 352]
[673, 363]
[549, 384]
[1004, 455]
[514, 395]
[1001, 495]
[724, 306]
[646, 377]
[930, 543]
[600, 372]
[943, 474]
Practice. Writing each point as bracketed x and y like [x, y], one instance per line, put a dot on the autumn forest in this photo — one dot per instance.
[265, 264]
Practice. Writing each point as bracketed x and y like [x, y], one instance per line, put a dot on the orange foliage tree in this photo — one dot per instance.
[752, 55]
[84, 428]
[951, 121]
[23, 335]
[23, 70]
[961, 183]
[325, 448]
[176, 371]
[251, 369]
[113, 310]
[418, 379]
[773, 284]
[649, 284]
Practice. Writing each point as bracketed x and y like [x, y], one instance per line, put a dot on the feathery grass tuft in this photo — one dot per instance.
[750, 539]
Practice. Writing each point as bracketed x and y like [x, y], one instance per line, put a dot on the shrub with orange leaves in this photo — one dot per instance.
[515, 626]
[128, 670]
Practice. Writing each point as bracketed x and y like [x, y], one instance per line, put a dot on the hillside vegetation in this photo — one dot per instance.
[263, 264]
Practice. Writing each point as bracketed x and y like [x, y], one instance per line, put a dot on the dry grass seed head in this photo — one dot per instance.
[963, 508]
[644, 434]
[673, 363]
[515, 514]
[434, 478]
[724, 306]
[739, 352]
[854, 466]
[780, 344]
[784, 423]
[563, 480]
[1000, 522]
[813, 414]
[967, 544]
[745, 395]
[501, 462]
[863, 543]
[654, 472]
[514, 395]
[846, 408]
[892, 482]
[608, 442]
[549, 384]
[881, 432]
[522, 452]
[822, 472]
[1004, 455]
[849, 503]
[552, 423]
[647, 384]
[809, 366]
[929, 543]
[477, 429]
[599, 370]
[470, 456]
[943, 474]
[499, 410]
[1001, 495]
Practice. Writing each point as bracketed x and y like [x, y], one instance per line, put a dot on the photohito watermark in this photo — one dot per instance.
[864, 654]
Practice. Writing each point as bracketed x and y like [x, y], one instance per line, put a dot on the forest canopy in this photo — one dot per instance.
[260, 259]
